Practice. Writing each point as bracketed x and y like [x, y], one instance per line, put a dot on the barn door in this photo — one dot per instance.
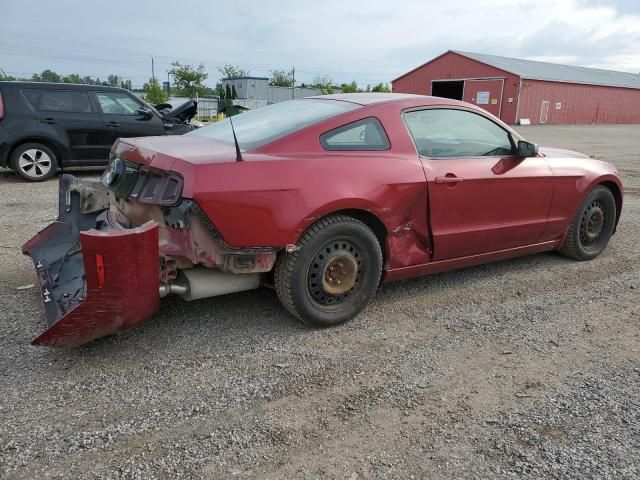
[486, 94]
[544, 112]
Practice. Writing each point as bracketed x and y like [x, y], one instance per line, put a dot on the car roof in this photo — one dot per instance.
[371, 98]
[366, 98]
[58, 86]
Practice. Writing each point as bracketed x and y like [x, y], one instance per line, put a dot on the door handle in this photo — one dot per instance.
[50, 121]
[449, 178]
[113, 124]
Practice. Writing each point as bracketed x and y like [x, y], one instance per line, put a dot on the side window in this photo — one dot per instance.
[117, 103]
[65, 101]
[366, 134]
[456, 133]
[32, 96]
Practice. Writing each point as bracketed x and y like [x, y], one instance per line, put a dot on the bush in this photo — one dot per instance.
[153, 92]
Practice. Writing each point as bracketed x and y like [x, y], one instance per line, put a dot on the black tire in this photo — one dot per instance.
[333, 274]
[592, 226]
[34, 162]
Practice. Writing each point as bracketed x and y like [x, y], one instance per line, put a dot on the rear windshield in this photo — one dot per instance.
[258, 127]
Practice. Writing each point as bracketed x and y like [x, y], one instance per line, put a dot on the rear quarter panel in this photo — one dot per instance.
[272, 201]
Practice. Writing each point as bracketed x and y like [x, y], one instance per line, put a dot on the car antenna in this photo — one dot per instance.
[235, 139]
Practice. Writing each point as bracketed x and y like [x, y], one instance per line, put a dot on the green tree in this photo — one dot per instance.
[126, 84]
[324, 84]
[350, 87]
[50, 76]
[189, 79]
[113, 80]
[153, 92]
[381, 87]
[72, 78]
[281, 78]
[232, 72]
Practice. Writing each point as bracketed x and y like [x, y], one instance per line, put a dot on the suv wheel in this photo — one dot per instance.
[34, 162]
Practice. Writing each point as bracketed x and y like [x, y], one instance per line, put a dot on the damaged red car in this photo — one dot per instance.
[322, 198]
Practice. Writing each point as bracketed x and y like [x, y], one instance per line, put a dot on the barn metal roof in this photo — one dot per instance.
[555, 72]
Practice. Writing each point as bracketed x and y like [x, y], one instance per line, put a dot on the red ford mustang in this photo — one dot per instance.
[323, 198]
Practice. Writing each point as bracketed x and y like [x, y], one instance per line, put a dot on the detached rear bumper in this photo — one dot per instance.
[95, 280]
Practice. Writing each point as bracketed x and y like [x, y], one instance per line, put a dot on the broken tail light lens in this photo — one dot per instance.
[157, 187]
[120, 176]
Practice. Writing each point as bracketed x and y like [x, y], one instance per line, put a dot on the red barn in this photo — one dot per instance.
[515, 89]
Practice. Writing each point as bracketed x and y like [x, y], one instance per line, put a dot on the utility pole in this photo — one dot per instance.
[153, 72]
[293, 85]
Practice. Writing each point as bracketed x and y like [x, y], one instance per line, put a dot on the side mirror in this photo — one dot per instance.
[145, 112]
[527, 149]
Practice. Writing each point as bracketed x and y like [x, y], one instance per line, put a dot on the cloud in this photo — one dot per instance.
[621, 6]
[360, 40]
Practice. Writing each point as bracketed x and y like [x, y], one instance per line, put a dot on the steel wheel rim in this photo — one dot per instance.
[35, 163]
[592, 223]
[596, 226]
[348, 260]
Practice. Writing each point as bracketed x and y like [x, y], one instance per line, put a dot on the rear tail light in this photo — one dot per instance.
[1, 107]
[157, 187]
[143, 184]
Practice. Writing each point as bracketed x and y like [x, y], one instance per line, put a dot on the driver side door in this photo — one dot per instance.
[120, 117]
[482, 196]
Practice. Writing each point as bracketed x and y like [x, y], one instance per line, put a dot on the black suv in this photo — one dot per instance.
[47, 126]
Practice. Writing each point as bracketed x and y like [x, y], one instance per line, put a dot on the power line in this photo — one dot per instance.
[36, 51]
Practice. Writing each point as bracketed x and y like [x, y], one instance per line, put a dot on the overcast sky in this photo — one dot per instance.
[368, 41]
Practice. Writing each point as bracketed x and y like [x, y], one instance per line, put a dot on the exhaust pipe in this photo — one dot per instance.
[177, 288]
[199, 282]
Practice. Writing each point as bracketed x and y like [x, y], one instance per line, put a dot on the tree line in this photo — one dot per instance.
[53, 77]
[188, 81]
[285, 78]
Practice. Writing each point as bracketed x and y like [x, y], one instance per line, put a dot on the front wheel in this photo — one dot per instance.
[592, 226]
[333, 274]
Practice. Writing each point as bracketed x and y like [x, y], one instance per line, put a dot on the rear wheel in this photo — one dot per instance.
[334, 273]
[592, 226]
[34, 162]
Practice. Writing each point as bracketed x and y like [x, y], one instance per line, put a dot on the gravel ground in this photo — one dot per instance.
[526, 368]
